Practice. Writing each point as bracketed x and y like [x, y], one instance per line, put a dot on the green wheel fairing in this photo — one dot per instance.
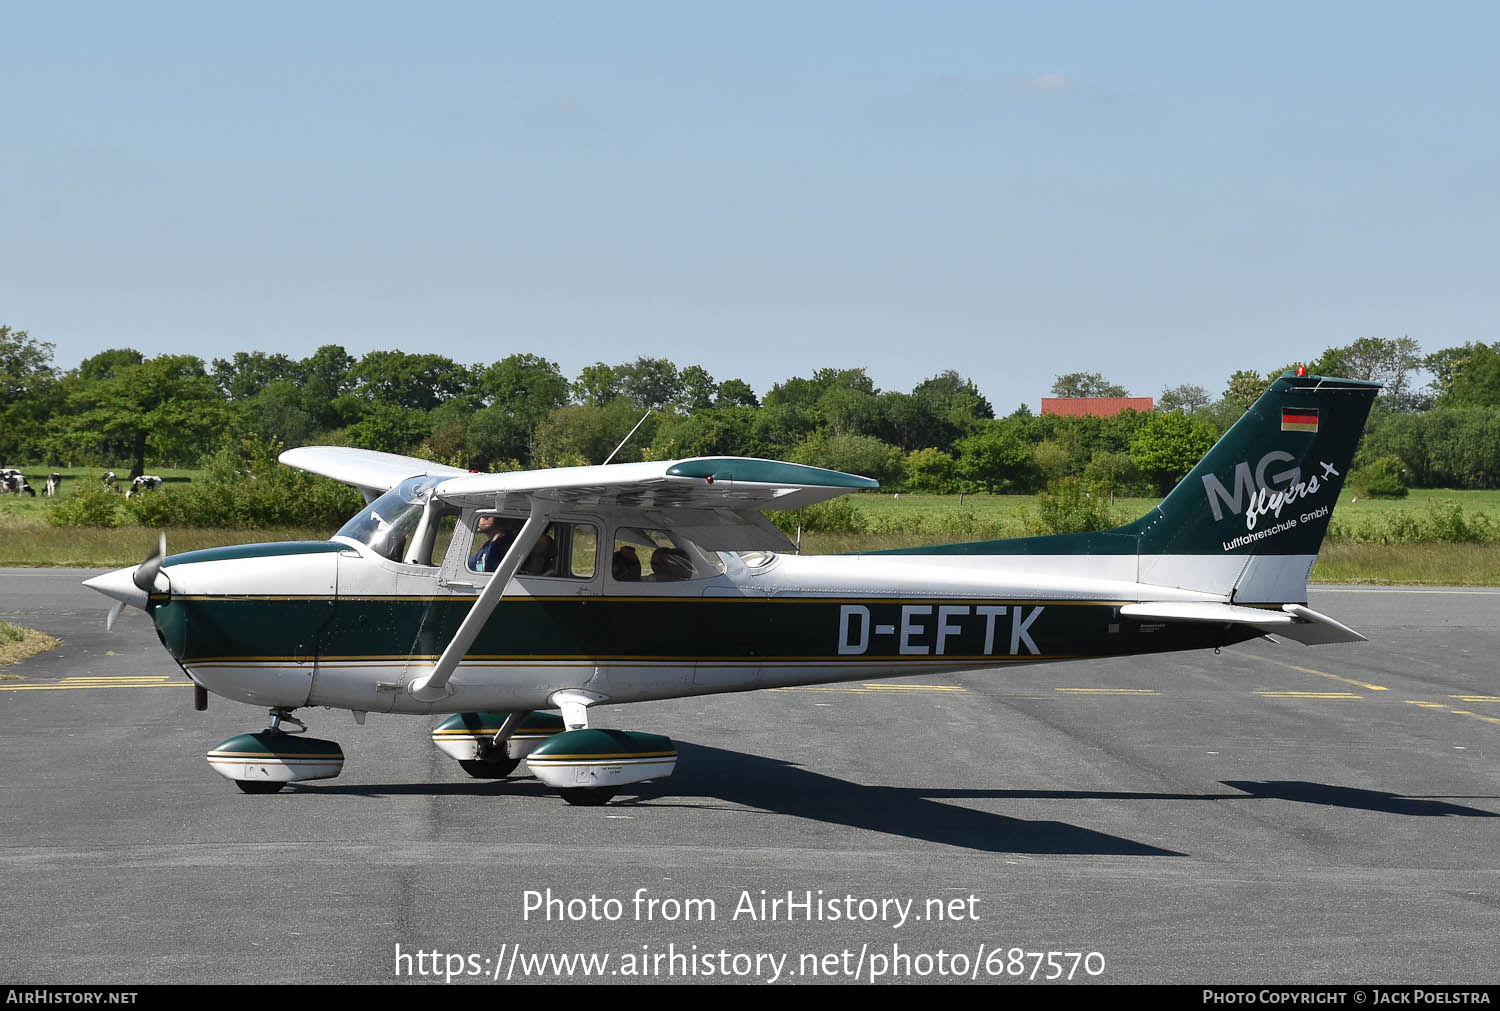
[274, 745]
[476, 724]
[469, 738]
[269, 757]
[587, 766]
[596, 744]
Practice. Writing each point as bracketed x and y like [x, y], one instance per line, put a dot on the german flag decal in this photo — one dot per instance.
[1299, 419]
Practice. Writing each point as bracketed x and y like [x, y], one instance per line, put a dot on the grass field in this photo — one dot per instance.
[74, 478]
[959, 517]
[34, 543]
[1477, 501]
[1338, 561]
[18, 643]
[37, 475]
[1007, 509]
[1408, 564]
[895, 521]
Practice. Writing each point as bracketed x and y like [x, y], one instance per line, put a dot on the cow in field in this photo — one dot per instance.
[146, 482]
[13, 482]
[54, 484]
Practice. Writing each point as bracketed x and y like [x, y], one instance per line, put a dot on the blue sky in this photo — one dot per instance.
[1160, 192]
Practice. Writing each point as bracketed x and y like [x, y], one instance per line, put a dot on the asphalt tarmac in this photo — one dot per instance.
[1272, 814]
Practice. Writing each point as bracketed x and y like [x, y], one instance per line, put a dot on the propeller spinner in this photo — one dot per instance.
[134, 585]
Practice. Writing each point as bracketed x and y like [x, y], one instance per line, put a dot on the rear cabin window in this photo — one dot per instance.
[644, 555]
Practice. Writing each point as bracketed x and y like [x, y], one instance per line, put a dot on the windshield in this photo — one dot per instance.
[387, 523]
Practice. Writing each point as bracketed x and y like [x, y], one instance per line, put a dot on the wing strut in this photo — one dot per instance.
[433, 686]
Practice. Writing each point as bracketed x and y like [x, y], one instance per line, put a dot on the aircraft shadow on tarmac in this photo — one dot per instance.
[1364, 800]
[707, 774]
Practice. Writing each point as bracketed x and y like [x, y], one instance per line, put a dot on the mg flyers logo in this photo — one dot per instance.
[1264, 491]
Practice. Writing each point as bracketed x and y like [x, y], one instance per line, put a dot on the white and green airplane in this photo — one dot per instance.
[499, 597]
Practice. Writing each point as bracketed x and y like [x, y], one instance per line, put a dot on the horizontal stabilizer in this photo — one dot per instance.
[1320, 628]
[1293, 621]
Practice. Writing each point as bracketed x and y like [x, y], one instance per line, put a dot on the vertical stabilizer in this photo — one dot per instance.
[1246, 523]
[1257, 506]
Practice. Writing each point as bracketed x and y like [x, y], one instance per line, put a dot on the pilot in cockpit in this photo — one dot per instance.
[500, 531]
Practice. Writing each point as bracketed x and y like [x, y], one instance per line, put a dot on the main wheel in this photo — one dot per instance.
[587, 796]
[489, 769]
[258, 786]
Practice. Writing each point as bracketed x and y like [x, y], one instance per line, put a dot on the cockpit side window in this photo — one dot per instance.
[493, 535]
[583, 551]
[565, 550]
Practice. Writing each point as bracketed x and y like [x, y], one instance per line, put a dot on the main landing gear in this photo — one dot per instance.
[586, 767]
[489, 768]
[491, 745]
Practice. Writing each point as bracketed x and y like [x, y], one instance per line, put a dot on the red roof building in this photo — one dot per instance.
[1098, 407]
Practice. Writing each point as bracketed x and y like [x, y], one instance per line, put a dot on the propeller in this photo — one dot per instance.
[145, 573]
[137, 591]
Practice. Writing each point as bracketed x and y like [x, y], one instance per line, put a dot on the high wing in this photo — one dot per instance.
[713, 501]
[372, 472]
[710, 482]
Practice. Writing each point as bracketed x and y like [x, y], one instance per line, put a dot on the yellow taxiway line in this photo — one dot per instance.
[870, 688]
[102, 681]
[1109, 691]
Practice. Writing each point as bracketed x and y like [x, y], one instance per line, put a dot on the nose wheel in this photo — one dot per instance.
[596, 796]
[254, 786]
[267, 761]
[490, 768]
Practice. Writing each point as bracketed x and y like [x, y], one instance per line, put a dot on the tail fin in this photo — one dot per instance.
[1260, 501]
[1246, 523]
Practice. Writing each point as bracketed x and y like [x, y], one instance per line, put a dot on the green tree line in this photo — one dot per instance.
[120, 409]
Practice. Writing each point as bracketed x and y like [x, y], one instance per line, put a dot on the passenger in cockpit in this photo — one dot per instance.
[671, 564]
[626, 565]
[542, 559]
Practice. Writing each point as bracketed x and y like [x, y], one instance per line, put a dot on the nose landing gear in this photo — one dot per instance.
[265, 762]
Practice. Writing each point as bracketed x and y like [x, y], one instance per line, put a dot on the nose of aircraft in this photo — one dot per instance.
[133, 585]
[120, 585]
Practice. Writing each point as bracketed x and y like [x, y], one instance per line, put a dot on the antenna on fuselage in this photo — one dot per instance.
[623, 441]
